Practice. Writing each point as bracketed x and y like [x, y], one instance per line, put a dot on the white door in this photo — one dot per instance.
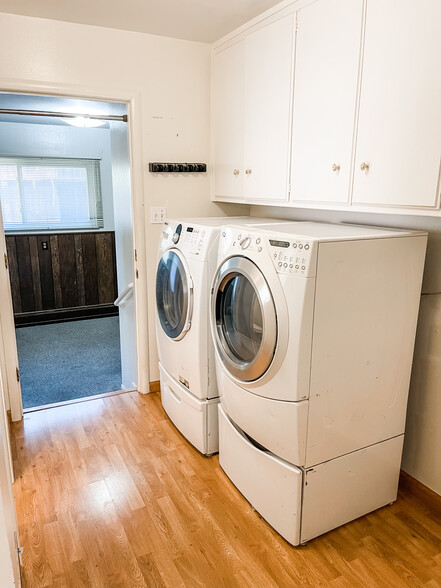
[228, 104]
[399, 127]
[124, 251]
[9, 563]
[269, 54]
[8, 347]
[326, 73]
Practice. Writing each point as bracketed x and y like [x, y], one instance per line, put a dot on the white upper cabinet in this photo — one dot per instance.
[326, 72]
[331, 104]
[228, 121]
[398, 151]
[252, 97]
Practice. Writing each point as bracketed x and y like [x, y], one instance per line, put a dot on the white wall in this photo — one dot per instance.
[422, 445]
[171, 81]
[36, 140]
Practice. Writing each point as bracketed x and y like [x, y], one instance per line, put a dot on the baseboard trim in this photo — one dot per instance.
[60, 315]
[155, 386]
[410, 484]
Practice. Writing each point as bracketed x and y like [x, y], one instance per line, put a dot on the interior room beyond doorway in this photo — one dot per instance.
[69, 236]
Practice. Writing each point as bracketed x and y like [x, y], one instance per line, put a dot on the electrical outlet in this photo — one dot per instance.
[157, 214]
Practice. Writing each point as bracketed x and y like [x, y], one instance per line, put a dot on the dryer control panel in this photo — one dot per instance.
[296, 257]
[191, 239]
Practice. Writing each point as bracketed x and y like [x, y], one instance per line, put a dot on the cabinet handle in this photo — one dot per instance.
[248, 171]
[236, 172]
[335, 167]
[364, 166]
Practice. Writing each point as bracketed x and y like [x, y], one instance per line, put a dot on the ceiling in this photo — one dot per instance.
[194, 20]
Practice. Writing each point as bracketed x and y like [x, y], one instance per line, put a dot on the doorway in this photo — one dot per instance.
[65, 190]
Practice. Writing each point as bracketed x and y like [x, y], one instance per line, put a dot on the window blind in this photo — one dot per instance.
[50, 193]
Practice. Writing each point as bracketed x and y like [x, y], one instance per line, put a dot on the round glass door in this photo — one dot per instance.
[173, 300]
[245, 319]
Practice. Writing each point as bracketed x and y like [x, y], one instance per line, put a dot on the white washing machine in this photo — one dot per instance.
[314, 328]
[186, 264]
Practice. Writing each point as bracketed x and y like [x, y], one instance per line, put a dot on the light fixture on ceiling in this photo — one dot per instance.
[85, 122]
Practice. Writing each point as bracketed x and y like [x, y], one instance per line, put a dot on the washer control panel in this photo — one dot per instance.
[293, 256]
[192, 240]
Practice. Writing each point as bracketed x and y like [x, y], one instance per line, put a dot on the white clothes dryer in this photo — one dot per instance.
[186, 263]
[314, 328]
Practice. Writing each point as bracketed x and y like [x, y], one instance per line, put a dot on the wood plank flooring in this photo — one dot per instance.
[109, 494]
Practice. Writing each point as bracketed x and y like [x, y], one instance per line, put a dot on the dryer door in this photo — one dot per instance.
[174, 294]
[244, 319]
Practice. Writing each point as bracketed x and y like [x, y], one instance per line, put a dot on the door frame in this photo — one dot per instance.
[133, 101]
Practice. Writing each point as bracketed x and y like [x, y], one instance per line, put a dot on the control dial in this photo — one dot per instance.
[177, 234]
[245, 242]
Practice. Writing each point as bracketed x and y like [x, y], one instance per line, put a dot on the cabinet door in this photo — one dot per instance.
[399, 131]
[267, 116]
[228, 100]
[326, 74]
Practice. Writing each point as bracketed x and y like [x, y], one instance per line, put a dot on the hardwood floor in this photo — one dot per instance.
[110, 494]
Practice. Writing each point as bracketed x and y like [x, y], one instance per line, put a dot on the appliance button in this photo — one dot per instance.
[275, 255]
[290, 266]
[245, 243]
[285, 265]
[280, 264]
[294, 245]
[303, 267]
[297, 267]
[307, 246]
[300, 246]
[258, 240]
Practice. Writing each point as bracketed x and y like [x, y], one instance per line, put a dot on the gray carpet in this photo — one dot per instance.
[69, 360]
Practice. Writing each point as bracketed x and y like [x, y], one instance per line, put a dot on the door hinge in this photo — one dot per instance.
[6, 261]
[17, 371]
[19, 549]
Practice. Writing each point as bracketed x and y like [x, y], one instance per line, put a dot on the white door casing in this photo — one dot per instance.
[133, 100]
[121, 183]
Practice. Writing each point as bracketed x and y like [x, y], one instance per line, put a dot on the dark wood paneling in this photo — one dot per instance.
[13, 273]
[80, 269]
[90, 269]
[46, 277]
[55, 259]
[35, 266]
[104, 257]
[74, 270]
[115, 281]
[68, 270]
[25, 274]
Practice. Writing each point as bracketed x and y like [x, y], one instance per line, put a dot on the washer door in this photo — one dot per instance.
[174, 294]
[244, 319]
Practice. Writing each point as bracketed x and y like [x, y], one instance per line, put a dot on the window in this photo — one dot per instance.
[50, 193]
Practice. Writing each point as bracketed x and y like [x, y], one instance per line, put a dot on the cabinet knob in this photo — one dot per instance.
[236, 172]
[364, 166]
[335, 167]
[248, 171]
